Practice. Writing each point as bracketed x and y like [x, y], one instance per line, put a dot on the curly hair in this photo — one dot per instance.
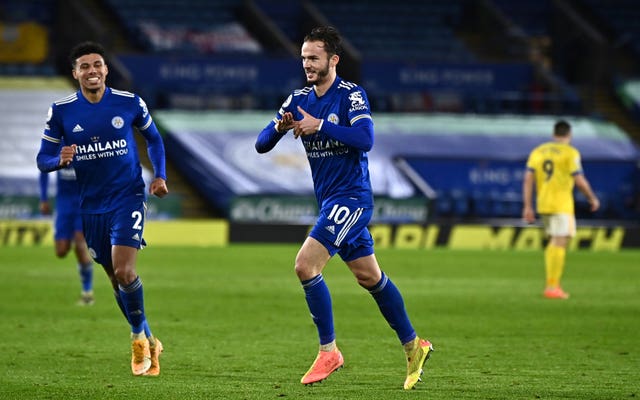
[85, 48]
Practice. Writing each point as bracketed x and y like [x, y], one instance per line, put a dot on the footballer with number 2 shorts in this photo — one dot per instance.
[93, 131]
[333, 120]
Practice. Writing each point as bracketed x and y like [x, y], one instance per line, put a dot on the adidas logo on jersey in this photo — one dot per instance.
[331, 229]
[77, 128]
[136, 237]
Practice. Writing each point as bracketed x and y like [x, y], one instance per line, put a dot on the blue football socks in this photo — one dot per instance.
[133, 301]
[86, 276]
[116, 294]
[319, 303]
[391, 304]
[147, 331]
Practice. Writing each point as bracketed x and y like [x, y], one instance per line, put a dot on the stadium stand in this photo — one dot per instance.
[194, 26]
[474, 164]
[629, 92]
[532, 16]
[414, 39]
[412, 31]
[621, 19]
[25, 37]
[212, 60]
[22, 119]
[288, 16]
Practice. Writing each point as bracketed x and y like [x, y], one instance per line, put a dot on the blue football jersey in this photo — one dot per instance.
[67, 187]
[106, 163]
[67, 192]
[338, 170]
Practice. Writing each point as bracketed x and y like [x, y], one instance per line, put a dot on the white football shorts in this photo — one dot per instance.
[559, 224]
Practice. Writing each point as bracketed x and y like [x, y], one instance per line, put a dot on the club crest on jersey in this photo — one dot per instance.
[117, 122]
[333, 118]
[357, 102]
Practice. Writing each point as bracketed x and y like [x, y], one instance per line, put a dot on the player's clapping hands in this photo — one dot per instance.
[308, 125]
[285, 123]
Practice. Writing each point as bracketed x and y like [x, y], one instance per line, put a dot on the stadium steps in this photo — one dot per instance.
[491, 35]
[193, 204]
[117, 38]
[606, 103]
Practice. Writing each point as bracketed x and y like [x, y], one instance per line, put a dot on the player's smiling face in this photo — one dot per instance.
[90, 71]
[316, 62]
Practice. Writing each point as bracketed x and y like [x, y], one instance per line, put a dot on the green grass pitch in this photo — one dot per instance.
[235, 326]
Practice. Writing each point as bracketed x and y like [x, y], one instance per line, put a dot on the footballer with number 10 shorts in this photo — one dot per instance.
[332, 118]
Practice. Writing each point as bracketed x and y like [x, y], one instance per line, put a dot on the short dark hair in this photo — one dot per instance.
[85, 48]
[562, 129]
[327, 35]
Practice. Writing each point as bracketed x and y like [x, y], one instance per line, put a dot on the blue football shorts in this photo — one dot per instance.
[122, 226]
[341, 227]
[67, 223]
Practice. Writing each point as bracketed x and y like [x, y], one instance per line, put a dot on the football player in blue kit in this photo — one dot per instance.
[68, 226]
[93, 131]
[332, 118]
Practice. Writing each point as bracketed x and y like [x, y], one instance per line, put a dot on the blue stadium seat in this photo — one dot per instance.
[41, 12]
[460, 199]
[481, 204]
[400, 30]
[443, 204]
[171, 16]
[533, 16]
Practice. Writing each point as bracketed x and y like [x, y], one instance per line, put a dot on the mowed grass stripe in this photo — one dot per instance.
[235, 326]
